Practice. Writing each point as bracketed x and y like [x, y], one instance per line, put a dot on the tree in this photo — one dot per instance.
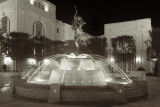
[42, 47]
[18, 47]
[155, 37]
[2, 43]
[153, 48]
[96, 45]
[124, 49]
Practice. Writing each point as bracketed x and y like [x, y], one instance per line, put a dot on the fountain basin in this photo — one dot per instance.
[83, 78]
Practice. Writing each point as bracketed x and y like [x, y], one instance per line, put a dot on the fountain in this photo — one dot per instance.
[82, 77]
[71, 70]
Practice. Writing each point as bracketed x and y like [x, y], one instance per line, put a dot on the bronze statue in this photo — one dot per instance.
[77, 25]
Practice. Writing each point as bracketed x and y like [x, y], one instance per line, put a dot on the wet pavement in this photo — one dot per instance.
[6, 100]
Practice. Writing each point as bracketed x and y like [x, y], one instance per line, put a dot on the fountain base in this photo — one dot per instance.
[61, 93]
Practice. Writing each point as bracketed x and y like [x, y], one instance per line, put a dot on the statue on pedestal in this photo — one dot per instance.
[77, 25]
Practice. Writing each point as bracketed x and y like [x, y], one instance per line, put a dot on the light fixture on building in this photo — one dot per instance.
[46, 61]
[46, 8]
[32, 1]
[138, 59]
[32, 61]
[112, 60]
[154, 59]
[7, 60]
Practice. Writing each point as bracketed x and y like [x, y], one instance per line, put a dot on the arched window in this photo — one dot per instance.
[5, 25]
[38, 29]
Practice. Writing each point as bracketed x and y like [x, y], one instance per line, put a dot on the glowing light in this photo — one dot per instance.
[82, 56]
[108, 79]
[4, 89]
[46, 61]
[124, 83]
[32, 61]
[39, 80]
[8, 60]
[112, 60]
[154, 59]
[32, 1]
[46, 8]
[138, 59]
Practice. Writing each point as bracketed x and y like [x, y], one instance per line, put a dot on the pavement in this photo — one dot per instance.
[11, 101]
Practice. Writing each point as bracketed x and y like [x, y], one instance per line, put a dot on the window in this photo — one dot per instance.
[38, 29]
[2, 1]
[32, 1]
[39, 5]
[46, 8]
[57, 30]
[5, 25]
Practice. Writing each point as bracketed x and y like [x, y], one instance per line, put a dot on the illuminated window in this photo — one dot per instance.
[38, 29]
[138, 59]
[32, 1]
[5, 26]
[46, 8]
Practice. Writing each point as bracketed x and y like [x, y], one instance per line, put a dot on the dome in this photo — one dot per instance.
[82, 70]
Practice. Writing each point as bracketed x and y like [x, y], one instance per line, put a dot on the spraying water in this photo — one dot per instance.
[86, 70]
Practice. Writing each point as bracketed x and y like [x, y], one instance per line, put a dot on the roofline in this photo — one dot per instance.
[127, 21]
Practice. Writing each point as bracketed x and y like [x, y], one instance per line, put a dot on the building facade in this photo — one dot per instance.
[35, 17]
[139, 29]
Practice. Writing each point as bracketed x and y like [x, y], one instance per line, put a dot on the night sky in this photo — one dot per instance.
[99, 12]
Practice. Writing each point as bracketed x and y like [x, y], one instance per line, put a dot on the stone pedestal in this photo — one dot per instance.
[55, 92]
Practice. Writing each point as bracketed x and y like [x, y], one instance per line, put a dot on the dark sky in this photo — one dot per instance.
[96, 13]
